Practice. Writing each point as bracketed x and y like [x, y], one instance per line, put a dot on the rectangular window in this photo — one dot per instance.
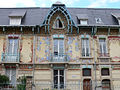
[59, 79]
[85, 47]
[58, 47]
[105, 71]
[83, 22]
[86, 72]
[103, 47]
[11, 73]
[12, 46]
[15, 20]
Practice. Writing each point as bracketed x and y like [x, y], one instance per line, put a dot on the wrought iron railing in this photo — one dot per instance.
[6, 57]
[103, 54]
[59, 57]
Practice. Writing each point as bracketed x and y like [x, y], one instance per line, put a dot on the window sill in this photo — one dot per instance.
[58, 28]
[104, 57]
[86, 57]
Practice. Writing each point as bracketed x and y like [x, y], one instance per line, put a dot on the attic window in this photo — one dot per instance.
[82, 19]
[58, 23]
[83, 22]
[117, 16]
[98, 20]
[15, 20]
[16, 17]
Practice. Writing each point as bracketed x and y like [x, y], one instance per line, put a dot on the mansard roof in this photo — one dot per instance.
[36, 15]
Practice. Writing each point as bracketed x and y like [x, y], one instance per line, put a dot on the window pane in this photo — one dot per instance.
[86, 72]
[105, 71]
[83, 22]
[103, 49]
[85, 47]
[55, 47]
[13, 46]
[58, 47]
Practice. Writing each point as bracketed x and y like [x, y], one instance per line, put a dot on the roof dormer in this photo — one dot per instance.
[117, 16]
[82, 19]
[16, 17]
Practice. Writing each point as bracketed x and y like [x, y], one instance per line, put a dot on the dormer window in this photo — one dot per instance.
[98, 20]
[117, 16]
[83, 22]
[58, 23]
[16, 17]
[15, 20]
[82, 19]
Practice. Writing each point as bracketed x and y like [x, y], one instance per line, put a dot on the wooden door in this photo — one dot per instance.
[87, 84]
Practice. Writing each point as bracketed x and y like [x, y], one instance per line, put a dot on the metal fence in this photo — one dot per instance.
[74, 86]
[66, 86]
[12, 87]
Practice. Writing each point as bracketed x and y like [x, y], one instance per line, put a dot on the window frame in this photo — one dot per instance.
[15, 20]
[104, 50]
[81, 20]
[85, 46]
[58, 48]
[89, 72]
[106, 70]
[12, 37]
[54, 24]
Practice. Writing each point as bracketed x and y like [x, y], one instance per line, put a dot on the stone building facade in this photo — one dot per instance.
[61, 46]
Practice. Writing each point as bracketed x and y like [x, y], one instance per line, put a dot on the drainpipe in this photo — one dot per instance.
[94, 29]
[34, 41]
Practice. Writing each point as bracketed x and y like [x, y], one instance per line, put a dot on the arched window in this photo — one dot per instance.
[106, 84]
[58, 23]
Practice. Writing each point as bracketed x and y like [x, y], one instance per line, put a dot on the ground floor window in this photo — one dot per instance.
[11, 73]
[106, 84]
[58, 79]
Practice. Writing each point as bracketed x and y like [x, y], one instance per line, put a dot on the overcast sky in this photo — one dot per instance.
[69, 3]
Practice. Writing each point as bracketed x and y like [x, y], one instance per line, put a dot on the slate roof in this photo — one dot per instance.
[36, 15]
[82, 16]
[18, 13]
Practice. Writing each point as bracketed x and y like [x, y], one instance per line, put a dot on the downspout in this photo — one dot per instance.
[34, 41]
[94, 32]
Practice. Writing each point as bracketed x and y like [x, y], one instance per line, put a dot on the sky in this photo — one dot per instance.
[68, 3]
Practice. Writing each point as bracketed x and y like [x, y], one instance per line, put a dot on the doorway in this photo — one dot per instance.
[58, 79]
[87, 84]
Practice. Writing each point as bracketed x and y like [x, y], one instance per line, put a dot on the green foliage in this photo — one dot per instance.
[4, 79]
[22, 85]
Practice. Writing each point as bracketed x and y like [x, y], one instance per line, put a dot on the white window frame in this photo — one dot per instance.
[58, 44]
[101, 45]
[11, 74]
[85, 46]
[83, 21]
[13, 45]
[15, 20]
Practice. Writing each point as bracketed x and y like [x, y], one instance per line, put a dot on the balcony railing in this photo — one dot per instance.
[10, 58]
[59, 58]
[103, 55]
